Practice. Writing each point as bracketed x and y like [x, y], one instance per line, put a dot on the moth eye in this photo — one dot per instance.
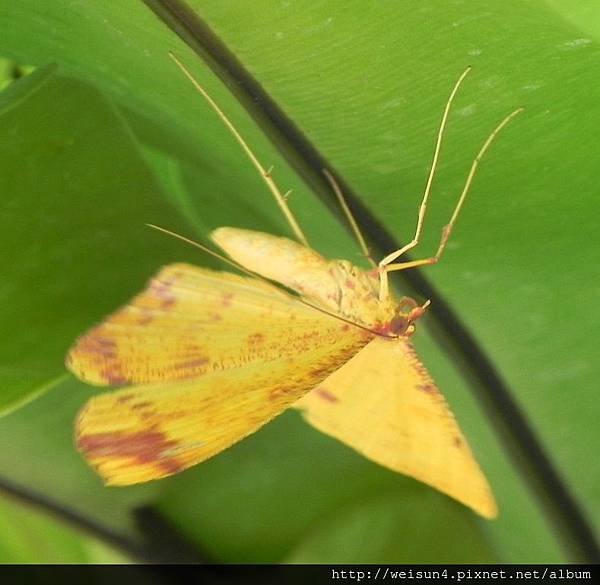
[399, 325]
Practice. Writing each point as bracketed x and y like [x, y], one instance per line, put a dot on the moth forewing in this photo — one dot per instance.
[206, 357]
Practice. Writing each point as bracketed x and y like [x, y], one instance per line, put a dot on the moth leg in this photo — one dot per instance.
[386, 264]
[383, 286]
[281, 199]
[349, 216]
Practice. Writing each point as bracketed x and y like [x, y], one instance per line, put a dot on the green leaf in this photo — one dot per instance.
[15, 93]
[26, 536]
[366, 84]
[76, 197]
[369, 532]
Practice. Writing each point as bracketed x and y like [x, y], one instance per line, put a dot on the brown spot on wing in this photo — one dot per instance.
[325, 394]
[103, 347]
[226, 299]
[280, 392]
[148, 415]
[428, 388]
[143, 447]
[167, 303]
[418, 365]
[321, 371]
[171, 466]
[191, 364]
[162, 291]
[113, 374]
[146, 317]
[255, 339]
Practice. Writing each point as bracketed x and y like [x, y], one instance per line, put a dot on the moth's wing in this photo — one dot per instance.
[384, 404]
[191, 321]
[149, 431]
[335, 285]
[281, 260]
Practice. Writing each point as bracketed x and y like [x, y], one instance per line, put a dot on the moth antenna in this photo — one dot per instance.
[264, 173]
[349, 216]
[344, 320]
[207, 250]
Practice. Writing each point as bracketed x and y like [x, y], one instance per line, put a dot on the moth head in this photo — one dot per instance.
[408, 311]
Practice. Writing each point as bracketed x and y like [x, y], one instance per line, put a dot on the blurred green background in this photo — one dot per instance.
[106, 135]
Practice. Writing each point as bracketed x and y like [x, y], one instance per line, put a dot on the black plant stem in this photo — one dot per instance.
[514, 429]
[147, 551]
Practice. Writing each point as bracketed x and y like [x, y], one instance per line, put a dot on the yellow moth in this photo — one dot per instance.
[208, 357]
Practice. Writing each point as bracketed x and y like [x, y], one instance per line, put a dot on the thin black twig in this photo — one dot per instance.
[157, 543]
